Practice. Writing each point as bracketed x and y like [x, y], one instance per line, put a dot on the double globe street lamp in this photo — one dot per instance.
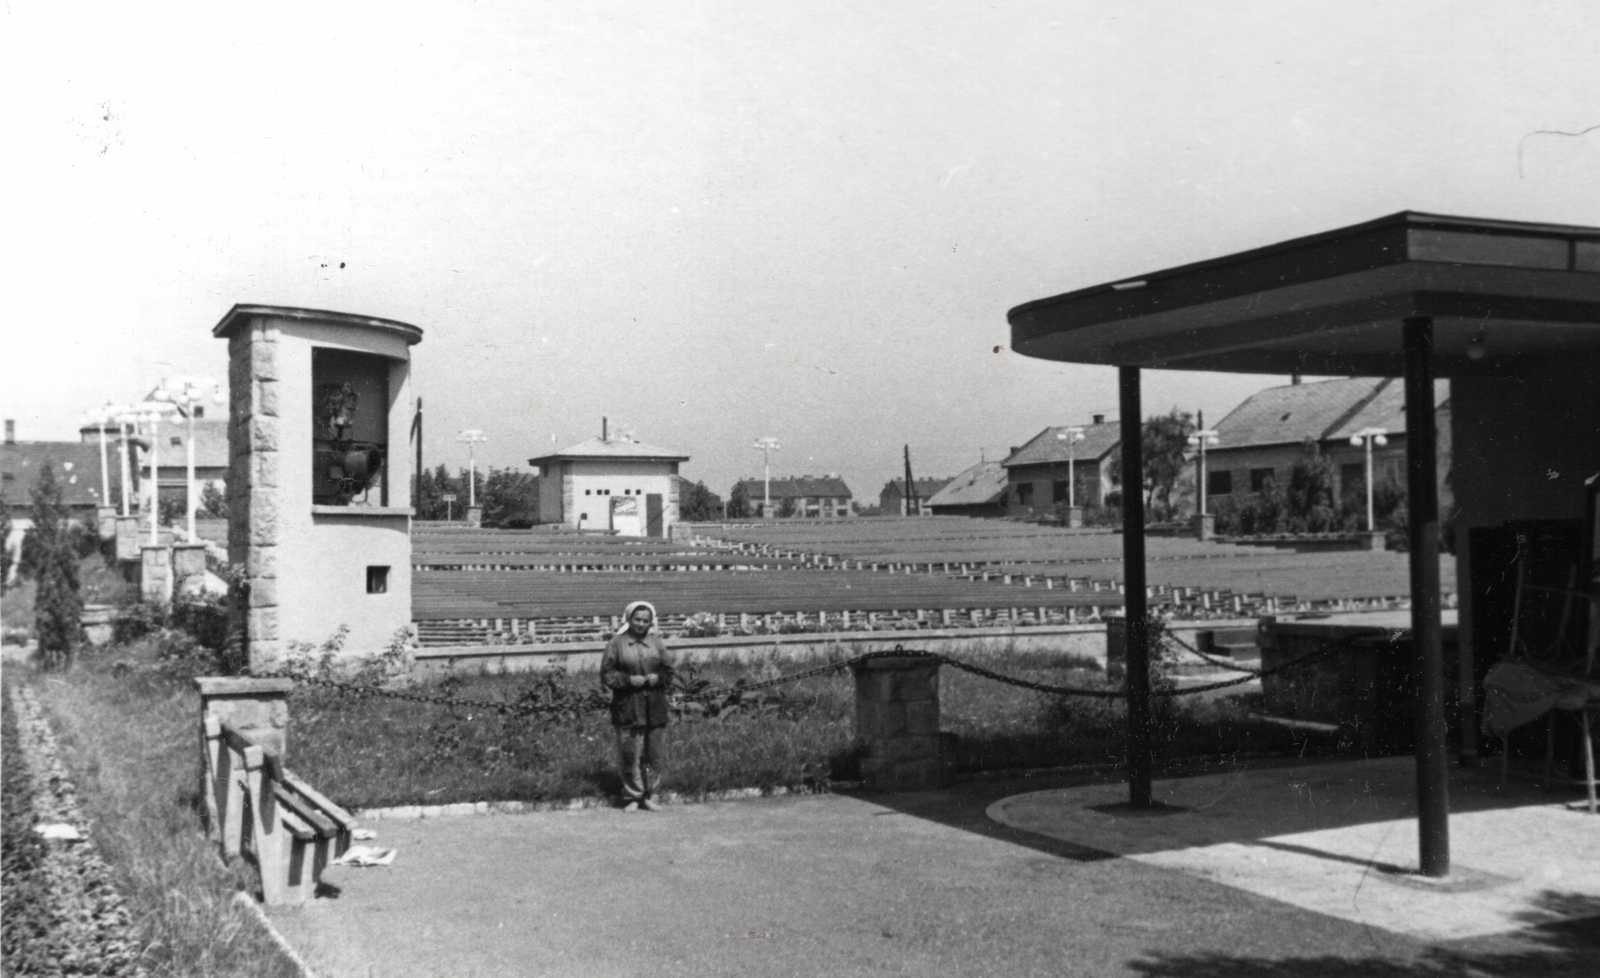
[186, 394]
[1369, 437]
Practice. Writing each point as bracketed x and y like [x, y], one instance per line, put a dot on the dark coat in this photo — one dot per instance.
[626, 656]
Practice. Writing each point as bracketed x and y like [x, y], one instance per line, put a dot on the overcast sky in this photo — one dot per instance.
[714, 221]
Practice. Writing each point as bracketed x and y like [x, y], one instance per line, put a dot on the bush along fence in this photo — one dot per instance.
[256, 808]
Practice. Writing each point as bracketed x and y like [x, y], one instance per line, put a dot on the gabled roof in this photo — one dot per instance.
[925, 487]
[612, 449]
[210, 442]
[1046, 449]
[76, 466]
[1322, 411]
[983, 484]
[796, 487]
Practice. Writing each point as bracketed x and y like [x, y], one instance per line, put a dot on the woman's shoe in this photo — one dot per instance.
[631, 807]
[650, 805]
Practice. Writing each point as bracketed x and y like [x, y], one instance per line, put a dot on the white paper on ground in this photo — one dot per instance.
[366, 856]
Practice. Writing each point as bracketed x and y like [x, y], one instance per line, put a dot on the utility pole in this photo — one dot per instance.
[910, 499]
[416, 477]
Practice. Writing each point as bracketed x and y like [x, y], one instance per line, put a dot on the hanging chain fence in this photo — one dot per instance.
[533, 704]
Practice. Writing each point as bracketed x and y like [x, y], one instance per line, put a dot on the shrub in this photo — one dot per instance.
[702, 624]
[1308, 498]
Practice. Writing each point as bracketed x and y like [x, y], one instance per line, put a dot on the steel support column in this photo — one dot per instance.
[1433, 787]
[1133, 604]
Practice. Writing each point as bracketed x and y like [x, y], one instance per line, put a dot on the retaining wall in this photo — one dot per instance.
[1088, 641]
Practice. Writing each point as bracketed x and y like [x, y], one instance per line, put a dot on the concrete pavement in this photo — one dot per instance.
[1247, 874]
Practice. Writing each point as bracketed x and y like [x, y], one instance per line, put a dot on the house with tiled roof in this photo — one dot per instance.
[892, 499]
[1260, 439]
[611, 483]
[979, 491]
[172, 452]
[797, 496]
[77, 470]
[1038, 471]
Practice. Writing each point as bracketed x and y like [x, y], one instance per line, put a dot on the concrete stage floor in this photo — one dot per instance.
[1291, 869]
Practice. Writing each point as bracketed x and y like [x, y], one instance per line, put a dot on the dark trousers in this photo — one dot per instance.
[644, 755]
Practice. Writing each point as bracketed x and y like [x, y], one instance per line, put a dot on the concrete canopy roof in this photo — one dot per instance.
[242, 313]
[1333, 303]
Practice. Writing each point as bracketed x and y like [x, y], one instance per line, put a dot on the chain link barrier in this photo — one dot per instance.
[531, 706]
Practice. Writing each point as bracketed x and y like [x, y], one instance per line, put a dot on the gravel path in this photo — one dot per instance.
[63, 917]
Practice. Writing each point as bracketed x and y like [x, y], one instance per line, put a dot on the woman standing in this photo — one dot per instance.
[637, 668]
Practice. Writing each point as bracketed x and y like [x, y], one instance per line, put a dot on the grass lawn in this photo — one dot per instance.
[129, 743]
[370, 751]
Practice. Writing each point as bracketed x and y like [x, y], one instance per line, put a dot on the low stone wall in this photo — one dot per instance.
[1088, 641]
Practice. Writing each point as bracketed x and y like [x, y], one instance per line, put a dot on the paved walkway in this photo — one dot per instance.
[1247, 875]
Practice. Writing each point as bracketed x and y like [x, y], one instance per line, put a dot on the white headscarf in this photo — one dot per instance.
[627, 613]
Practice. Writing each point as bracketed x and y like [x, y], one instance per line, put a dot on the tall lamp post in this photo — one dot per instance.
[126, 418]
[1368, 437]
[1203, 438]
[151, 412]
[100, 417]
[186, 393]
[766, 446]
[472, 436]
[1071, 436]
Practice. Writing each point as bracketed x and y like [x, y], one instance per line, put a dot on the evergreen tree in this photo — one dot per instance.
[510, 499]
[739, 502]
[696, 503]
[58, 605]
[5, 541]
[1308, 498]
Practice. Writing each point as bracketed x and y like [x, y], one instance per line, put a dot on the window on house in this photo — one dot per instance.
[1024, 494]
[377, 579]
[1060, 491]
[1260, 479]
[1219, 483]
[177, 440]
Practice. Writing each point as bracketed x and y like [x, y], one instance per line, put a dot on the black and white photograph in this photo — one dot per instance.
[611, 489]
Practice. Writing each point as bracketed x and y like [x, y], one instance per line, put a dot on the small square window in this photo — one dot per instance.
[177, 440]
[377, 579]
[588, 491]
[1219, 483]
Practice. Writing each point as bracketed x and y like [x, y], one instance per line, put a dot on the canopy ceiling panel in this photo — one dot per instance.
[1499, 292]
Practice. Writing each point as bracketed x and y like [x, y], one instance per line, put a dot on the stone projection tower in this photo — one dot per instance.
[319, 479]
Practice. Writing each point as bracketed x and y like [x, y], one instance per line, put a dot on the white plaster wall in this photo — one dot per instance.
[322, 558]
[593, 508]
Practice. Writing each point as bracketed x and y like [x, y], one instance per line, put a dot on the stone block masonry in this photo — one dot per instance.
[253, 444]
[897, 723]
